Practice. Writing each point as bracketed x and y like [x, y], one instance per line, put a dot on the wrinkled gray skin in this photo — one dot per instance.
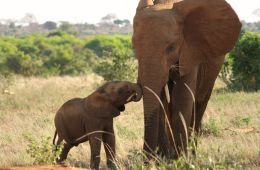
[80, 116]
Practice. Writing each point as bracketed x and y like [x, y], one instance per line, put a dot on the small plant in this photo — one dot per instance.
[135, 159]
[41, 150]
[211, 127]
[241, 121]
[183, 163]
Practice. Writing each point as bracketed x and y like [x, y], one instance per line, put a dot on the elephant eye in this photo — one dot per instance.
[171, 48]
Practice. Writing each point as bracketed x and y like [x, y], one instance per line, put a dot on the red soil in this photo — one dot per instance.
[46, 167]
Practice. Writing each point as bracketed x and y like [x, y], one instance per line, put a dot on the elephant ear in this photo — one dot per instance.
[99, 105]
[210, 30]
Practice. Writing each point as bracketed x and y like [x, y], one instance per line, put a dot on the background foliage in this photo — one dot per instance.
[242, 67]
[111, 56]
[60, 53]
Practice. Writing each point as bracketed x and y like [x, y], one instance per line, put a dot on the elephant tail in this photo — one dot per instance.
[54, 138]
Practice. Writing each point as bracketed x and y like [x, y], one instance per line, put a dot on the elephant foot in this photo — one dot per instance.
[111, 165]
[166, 154]
[94, 167]
[148, 157]
[61, 162]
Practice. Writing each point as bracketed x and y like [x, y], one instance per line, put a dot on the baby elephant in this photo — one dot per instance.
[91, 118]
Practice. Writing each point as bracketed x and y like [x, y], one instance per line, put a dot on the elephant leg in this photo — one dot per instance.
[64, 152]
[200, 109]
[109, 145]
[206, 78]
[95, 146]
[182, 104]
[199, 112]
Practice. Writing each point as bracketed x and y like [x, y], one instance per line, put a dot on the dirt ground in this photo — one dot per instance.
[46, 167]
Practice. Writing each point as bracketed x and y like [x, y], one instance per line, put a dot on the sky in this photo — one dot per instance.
[91, 11]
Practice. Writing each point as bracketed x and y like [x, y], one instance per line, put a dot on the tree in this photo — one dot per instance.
[118, 22]
[50, 25]
[12, 25]
[121, 22]
[109, 18]
[67, 27]
[126, 21]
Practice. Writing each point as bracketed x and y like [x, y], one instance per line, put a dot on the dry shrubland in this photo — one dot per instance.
[230, 139]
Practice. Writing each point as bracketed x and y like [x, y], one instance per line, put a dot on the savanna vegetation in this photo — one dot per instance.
[111, 56]
[60, 53]
[39, 72]
[230, 139]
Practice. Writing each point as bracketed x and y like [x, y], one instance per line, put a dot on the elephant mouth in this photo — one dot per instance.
[121, 108]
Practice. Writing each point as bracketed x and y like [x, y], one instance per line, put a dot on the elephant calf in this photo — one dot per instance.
[91, 118]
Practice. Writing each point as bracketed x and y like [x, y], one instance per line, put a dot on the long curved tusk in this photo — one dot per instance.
[130, 98]
[167, 93]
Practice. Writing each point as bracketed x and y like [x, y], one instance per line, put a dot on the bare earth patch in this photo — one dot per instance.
[46, 167]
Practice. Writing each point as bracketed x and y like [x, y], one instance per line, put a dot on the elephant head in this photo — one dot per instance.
[178, 35]
[121, 92]
[110, 99]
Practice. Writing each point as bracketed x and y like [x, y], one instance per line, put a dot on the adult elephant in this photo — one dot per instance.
[181, 44]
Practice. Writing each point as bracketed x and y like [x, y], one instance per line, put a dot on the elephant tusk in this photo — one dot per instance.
[167, 93]
[130, 98]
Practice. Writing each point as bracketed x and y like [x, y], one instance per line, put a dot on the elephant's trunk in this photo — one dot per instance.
[139, 93]
[154, 78]
[151, 121]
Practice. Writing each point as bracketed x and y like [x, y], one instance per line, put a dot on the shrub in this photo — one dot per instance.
[245, 62]
[83, 62]
[60, 53]
[108, 43]
[42, 150]
[117, 65]
[21, 63]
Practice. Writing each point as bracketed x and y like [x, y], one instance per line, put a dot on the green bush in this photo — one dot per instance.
[21, 63]
[117, 65]
[245, 63]
[83, 62]
[60, 53]
[42, 150]
[102, 44]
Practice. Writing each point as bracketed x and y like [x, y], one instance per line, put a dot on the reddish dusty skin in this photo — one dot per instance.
[46, 167]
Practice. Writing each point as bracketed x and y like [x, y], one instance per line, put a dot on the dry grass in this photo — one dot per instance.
[28, 105]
